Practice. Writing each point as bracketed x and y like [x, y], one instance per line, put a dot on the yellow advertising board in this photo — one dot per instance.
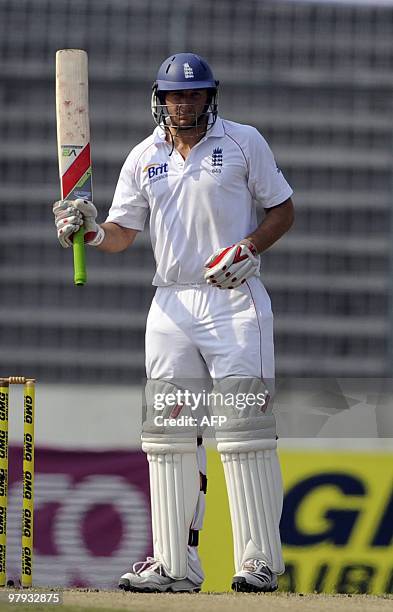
[337, 523]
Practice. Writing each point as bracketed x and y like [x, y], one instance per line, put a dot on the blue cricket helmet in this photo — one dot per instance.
[184, 71]
[179, 72]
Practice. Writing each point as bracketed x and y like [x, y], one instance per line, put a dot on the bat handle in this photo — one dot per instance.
[78, 245]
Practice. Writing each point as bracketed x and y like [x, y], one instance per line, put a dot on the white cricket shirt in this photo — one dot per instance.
[200, 204]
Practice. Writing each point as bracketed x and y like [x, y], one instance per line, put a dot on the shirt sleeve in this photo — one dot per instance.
[129, 206]
[265, 181]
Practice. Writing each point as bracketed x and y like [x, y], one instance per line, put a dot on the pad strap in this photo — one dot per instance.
[199, 515]
[193, 538]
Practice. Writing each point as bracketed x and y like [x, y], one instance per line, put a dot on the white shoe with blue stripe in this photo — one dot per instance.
[150, 577]
[255, 577]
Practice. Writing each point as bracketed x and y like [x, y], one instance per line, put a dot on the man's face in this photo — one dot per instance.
[185, 106]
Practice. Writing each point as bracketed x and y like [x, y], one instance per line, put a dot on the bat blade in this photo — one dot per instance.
[73, 139]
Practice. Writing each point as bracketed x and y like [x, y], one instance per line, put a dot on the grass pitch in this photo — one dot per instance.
[116, 601]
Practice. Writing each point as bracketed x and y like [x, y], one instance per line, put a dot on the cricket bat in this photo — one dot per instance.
[73, 140]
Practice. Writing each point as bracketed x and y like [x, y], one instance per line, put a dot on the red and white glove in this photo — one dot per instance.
[230, 267]
[70, 215]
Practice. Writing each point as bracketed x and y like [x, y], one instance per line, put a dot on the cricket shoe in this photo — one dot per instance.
[150, 577]
[255, 577]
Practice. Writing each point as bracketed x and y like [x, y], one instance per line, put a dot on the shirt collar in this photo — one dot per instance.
[217, 131]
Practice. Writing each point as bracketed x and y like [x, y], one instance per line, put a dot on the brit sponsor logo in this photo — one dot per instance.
[188, 71]
[156, 172]
[217, 159]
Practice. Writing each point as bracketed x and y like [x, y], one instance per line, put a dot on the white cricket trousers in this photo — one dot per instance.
[194, 331]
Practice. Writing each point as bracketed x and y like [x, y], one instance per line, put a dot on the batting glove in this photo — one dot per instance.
[71, 215]
[230, 267]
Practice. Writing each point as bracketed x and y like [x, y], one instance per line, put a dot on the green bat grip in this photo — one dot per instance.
[78, 245]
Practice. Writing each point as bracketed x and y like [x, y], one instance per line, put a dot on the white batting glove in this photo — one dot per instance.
[70, 215]
[230, 267]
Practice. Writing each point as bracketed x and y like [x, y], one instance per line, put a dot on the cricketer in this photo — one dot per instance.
[200, 178]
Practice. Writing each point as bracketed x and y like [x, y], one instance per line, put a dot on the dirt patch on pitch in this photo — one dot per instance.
[225, 602]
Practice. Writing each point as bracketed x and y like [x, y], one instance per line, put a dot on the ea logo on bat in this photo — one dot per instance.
[156, 171]
[70, 151]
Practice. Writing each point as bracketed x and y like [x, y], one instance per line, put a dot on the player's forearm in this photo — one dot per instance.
[116, 238]
[276, 223]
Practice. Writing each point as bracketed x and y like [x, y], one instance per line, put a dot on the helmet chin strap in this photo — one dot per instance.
[163, 119]
[185, 128]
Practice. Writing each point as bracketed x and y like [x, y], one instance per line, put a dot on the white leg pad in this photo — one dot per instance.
[199, 515]
[174, 492]
[255, 493]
